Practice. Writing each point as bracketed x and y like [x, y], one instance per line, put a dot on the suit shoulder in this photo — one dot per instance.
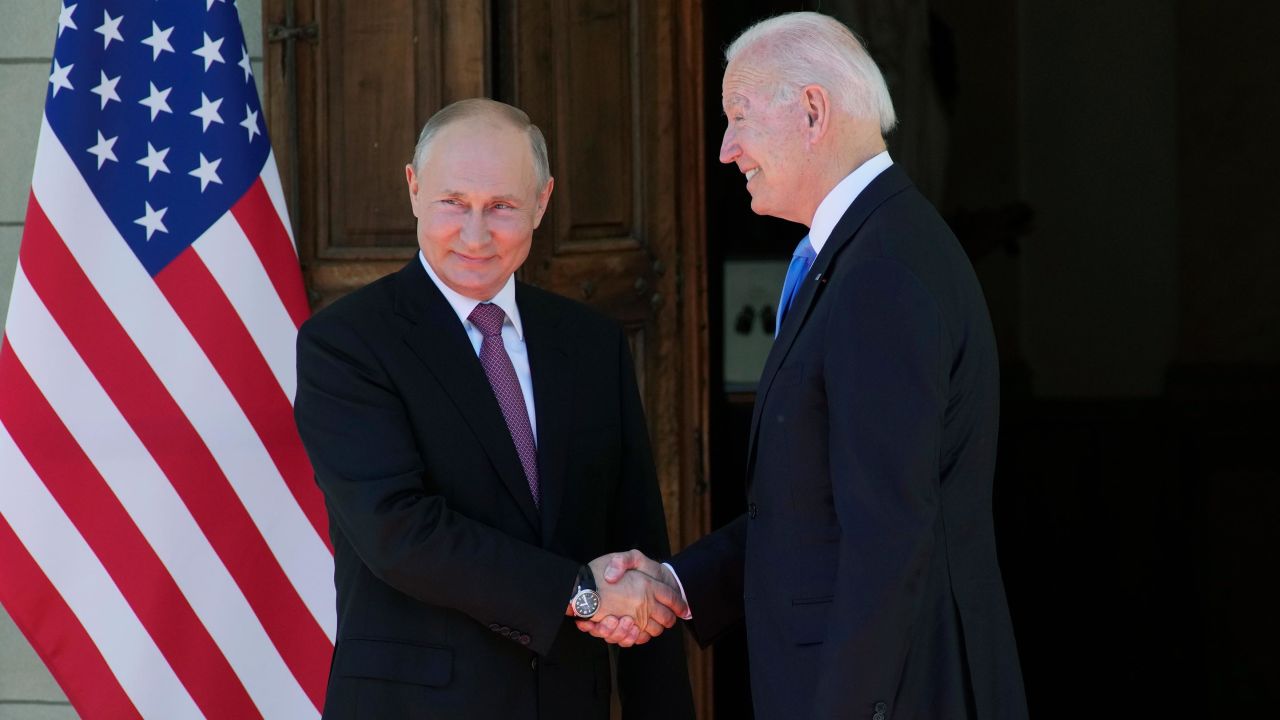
[909, 217]
[356, 308]
[908, 229]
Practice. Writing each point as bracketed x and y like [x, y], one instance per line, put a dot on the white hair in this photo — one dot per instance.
[475, 108]
[808, 48]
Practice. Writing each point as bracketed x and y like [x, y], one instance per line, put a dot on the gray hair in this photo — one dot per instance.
[806, 48]
[475, 108]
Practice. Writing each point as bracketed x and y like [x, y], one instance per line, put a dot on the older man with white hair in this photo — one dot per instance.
[865, 566]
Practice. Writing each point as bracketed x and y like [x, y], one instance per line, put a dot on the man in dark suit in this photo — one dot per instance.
[478, 441]
[865, 566]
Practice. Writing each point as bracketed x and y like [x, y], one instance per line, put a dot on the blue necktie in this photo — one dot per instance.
[801, 261]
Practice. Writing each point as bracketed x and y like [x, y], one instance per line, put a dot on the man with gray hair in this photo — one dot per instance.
[479, 442]
[865, 566]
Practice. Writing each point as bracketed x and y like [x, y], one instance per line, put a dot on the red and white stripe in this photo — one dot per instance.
[162, 542]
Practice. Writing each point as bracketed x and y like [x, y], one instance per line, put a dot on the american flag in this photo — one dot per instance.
[162, 543]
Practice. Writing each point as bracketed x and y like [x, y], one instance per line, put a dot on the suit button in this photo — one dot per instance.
[524, 639]
[504, 630]
[881, 707]
[878, 716]
[494, 627]
[752, 511]
[533, 663]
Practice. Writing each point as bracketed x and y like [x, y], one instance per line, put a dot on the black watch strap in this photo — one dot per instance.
[586, 580]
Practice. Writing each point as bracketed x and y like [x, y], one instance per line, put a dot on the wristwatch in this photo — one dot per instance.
[586, 601]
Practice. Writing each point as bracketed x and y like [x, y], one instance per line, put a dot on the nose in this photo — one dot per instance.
[474, 231]
[729, 150]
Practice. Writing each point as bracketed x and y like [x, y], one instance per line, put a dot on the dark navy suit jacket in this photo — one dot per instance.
[451, 583]
[866, 564]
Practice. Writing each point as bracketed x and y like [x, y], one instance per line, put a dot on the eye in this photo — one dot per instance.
[503, 206]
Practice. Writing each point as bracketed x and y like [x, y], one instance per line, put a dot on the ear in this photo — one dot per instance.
[817, 106]
[411, 180]
[543, 198]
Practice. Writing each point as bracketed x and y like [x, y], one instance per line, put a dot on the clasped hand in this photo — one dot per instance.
[638, 599]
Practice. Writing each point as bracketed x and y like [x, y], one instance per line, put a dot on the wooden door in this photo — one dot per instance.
[616, 87]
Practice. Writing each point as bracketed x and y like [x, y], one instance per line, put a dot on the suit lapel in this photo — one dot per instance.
[885, 185]
[441, 343]
[552, 398]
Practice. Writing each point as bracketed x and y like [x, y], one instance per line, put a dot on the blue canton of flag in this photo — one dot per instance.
[156, 104]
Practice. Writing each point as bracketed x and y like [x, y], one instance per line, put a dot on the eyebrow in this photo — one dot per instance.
[499, 198]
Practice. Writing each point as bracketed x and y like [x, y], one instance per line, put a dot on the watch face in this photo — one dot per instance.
[586, 603]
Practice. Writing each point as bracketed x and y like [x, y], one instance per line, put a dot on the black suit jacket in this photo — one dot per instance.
[866, 563]
[451, 583]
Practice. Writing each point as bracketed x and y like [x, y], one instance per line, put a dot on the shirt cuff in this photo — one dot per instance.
[688, 614]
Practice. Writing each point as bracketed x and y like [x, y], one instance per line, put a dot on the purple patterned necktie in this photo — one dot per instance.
[488, 318]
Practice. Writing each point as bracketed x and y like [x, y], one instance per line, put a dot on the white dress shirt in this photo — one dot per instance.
[841, 197]
[512, 331]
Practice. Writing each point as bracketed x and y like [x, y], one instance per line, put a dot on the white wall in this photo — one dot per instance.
[27, 31]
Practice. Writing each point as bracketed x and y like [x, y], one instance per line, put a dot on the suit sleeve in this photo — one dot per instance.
[886, 396]
[711, 571]
[358, 436]
[653, 679]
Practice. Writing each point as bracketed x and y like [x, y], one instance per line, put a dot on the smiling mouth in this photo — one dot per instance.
[751, 173]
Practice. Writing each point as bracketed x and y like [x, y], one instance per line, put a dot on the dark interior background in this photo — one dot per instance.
[1112, 170]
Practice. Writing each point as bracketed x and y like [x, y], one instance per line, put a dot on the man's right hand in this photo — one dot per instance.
[633, 580]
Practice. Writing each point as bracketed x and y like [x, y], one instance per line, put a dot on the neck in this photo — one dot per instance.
[842, 163]
[863, 143]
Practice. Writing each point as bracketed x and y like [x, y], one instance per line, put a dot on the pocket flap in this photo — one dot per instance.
[427, 665]
[809, 619]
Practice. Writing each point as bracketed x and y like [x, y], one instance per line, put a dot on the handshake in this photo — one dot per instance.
[639, 598]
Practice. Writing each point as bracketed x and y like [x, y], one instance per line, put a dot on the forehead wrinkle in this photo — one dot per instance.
[740, 81]
[748, 71]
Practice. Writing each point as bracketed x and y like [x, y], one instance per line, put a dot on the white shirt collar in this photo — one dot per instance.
[837, 201]
[463, 305]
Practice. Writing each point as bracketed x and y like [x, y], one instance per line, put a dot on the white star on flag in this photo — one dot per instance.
[59, 77]
[109, 29]
[104, 149]
[208, 111]
[158, 40]
[154, 162]
[158, 101]
[211, 51]
[107, 89]
[153, 220]
[244, 63]
[207, 172]
[64, 19]
[250, 122]
[210, 4]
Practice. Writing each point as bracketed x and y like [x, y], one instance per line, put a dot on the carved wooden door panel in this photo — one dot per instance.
[616, 87]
